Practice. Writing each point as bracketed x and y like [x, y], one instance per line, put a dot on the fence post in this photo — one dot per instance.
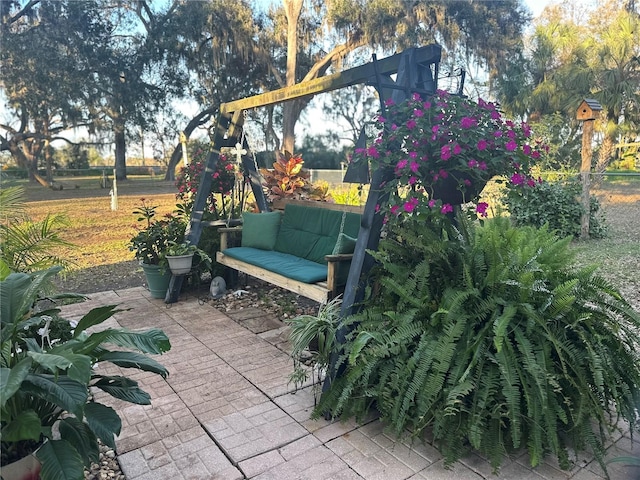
[114, 193]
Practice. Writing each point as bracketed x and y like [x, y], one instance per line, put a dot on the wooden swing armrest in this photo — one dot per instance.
[332, 270]
[341, 257]
[224, 235]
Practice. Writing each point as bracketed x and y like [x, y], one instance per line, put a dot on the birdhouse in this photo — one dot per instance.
[589, 109]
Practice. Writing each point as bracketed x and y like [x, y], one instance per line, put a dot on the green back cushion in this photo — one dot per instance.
[312, 233]
[260, 230]
[344, 244]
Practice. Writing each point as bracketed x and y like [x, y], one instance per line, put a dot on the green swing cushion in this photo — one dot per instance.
[260, 230]
[344, 244]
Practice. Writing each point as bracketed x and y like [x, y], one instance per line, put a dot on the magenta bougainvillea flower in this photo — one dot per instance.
[448, 142]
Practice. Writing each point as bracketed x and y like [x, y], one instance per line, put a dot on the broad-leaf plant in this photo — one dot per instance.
[47, 402]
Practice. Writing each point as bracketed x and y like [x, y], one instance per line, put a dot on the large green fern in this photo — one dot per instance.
[489, 336]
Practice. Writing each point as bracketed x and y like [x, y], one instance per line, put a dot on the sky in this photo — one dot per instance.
[536, 6]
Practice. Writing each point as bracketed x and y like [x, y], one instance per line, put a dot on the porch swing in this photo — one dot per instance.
[417, 72]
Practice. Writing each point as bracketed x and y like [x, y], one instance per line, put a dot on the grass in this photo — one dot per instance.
[100, 235]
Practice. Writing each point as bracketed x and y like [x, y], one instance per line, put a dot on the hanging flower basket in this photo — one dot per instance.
[443, 150]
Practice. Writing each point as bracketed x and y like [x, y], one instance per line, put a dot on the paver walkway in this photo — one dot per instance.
[227, 411]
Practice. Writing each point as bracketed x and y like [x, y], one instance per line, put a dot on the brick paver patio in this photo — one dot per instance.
[227, 411]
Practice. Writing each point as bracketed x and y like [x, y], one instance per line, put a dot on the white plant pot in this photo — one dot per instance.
[27, 468]
[180, 264]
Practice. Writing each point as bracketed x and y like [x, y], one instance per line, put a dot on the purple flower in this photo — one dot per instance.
[468, 122]
[446, 208]
[418, 113]
[414, 166]
[373, 152]
[517, 179]
[481, 208]
[472, 163]
[411, 124]
[411, 205]
[482, 144]
[445, 152]
[511, 145]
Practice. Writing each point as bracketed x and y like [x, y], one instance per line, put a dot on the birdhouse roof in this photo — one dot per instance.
[592, 104]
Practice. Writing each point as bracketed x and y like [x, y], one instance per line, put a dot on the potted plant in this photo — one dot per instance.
[47, 404]
[442, 151]
[151, 241]
[313, 340]
[180, 257]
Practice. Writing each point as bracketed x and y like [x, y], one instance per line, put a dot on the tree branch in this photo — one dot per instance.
[29, 6]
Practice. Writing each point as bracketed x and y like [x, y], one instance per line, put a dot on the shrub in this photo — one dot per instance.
[489, 337]
[556, 204]
[222, 183]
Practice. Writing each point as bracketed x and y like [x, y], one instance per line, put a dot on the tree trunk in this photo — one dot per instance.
[200, 119]
[120, 150]
[292, 8]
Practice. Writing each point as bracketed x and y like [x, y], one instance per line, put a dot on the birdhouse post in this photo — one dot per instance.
[587, 112]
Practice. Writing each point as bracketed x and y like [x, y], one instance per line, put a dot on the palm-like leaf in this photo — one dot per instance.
[27, 245]
[104, 422]
[60, 461]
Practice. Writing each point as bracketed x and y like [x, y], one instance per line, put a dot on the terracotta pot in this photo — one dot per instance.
[180, 264]
[27, 468]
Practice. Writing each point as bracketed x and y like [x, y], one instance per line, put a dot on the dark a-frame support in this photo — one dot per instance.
[417, 71]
